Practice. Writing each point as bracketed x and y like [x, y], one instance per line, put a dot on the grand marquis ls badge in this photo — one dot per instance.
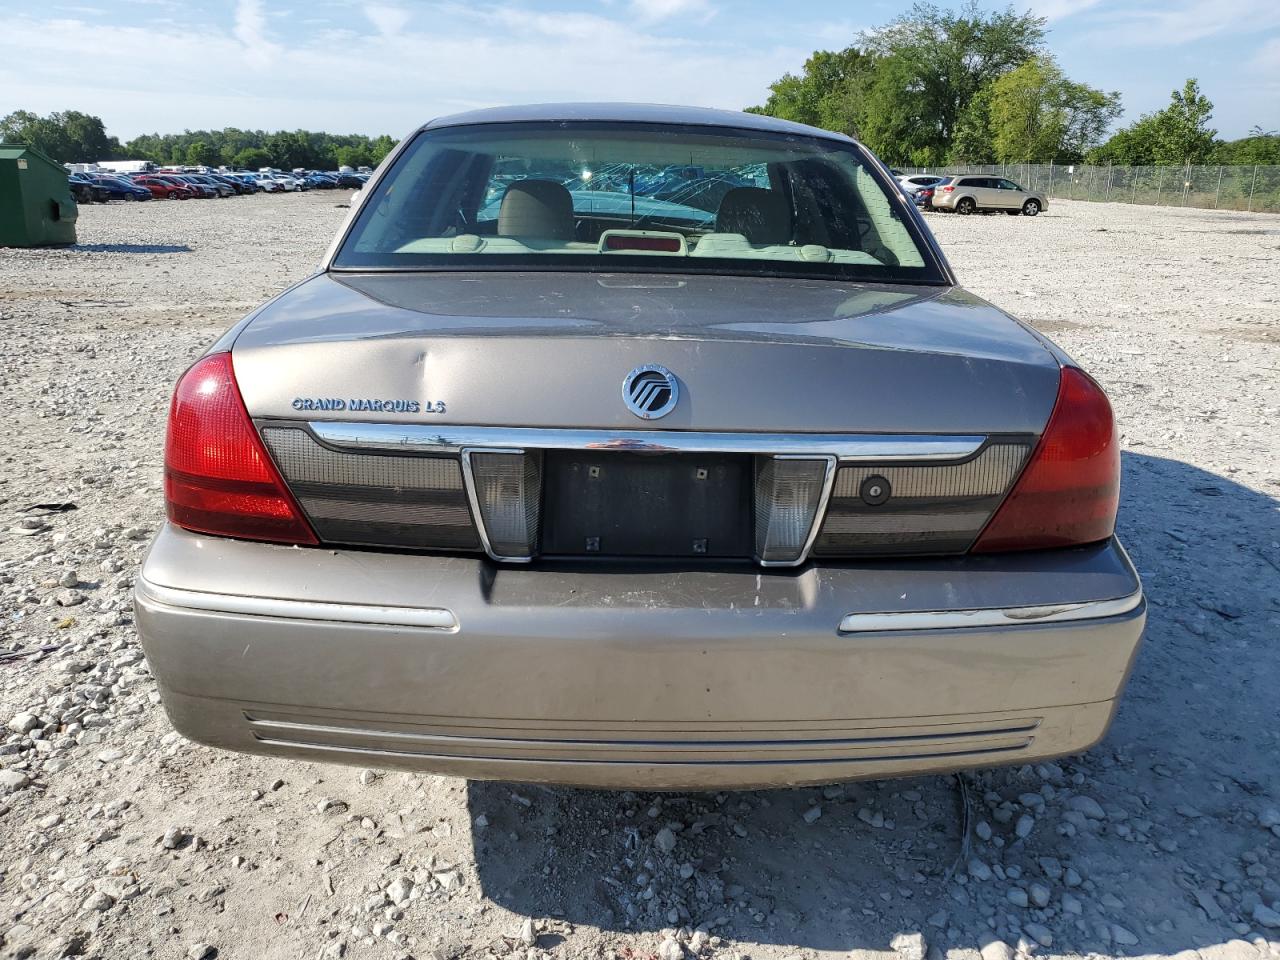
[650, 391]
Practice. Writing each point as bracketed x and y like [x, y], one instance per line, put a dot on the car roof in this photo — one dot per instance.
[631, 113]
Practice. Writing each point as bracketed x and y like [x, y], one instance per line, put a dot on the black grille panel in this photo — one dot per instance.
[939, 508]
[620, 503]
[375, 499]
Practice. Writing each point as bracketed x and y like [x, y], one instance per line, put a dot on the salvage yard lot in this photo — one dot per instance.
[117, 839]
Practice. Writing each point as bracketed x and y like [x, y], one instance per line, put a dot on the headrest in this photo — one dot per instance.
[762, 216]
[541, 209]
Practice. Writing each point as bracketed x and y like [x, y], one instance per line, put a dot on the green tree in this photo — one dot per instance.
[1178, 134]
[252, 158]
[69, 136]
[78, 136]
[199, 153]
[933, 62]
[381, 146]
[1259, 147]
[359, 155]
[1037, 114]
[824, 94]
[1184, 134]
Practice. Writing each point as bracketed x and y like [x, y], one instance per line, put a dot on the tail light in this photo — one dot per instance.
[217, 476]
[1070, 490]
[946, 189]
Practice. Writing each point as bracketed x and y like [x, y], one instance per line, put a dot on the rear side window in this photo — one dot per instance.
[618, 196]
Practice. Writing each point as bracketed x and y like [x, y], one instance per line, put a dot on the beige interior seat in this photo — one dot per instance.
[542, 209]
[762, 216]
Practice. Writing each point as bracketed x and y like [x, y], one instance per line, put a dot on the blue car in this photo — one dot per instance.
[118, 188]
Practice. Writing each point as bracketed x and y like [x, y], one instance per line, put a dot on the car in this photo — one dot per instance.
[163, 188]
[279, 181]
[220, 189]
[195, 187]
[250, 181]
[231, 183]
[972, 194]
[265, 183]
[546, 489]
[121, 188]
[84, 189]
[912, 183]
[922, 198]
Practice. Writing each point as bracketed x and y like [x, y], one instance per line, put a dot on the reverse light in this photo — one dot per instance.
[1070, 490]
[507, 488]
[789, 493]
[217, 477]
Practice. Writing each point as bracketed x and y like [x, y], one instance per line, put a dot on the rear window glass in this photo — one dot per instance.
[618, 196]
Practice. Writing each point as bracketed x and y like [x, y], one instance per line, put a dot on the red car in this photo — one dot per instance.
[165, 189]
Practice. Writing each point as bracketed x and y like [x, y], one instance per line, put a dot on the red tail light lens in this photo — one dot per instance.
[1069, 491]
[946, 189]
[217, 476]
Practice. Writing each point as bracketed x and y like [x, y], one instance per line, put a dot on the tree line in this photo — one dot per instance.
[938, 86]
[72, 136]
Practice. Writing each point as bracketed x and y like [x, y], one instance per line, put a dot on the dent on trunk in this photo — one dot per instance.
[553, 349]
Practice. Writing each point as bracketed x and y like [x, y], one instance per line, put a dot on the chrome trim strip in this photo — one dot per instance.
[469, 481]
[1011, 616]
[435, 618]
[431, 438]
[828, 483]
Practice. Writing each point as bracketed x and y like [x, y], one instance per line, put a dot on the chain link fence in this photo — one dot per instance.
[1209, 187]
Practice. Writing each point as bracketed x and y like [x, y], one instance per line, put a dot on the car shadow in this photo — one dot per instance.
[1187, 768]
[131, 247]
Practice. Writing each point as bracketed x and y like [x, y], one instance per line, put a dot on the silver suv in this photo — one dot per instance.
[972, 194]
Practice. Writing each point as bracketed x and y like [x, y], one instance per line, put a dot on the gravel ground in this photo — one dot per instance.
[117, 839]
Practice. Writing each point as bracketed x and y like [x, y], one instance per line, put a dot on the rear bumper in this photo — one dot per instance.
[645, 680]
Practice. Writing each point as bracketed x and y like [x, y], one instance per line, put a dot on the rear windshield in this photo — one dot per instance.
[619, 196]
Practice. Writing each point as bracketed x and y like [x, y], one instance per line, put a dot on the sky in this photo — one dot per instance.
[386, 66]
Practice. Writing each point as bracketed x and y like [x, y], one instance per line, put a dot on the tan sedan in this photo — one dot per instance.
[974, 193]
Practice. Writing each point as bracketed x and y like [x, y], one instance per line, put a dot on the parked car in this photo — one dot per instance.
[352, 181]
[195, 187]
[233, 184]
[972, 194]
[84, 189]
[164, 188]
[121, 188]
[536, 489]
[923, 198]
[914, 182]
[219, 188]
[280, 182]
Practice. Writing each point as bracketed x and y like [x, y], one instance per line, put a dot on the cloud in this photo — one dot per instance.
[654, 11]
[1053, 10]
[491, 53]
[389, 20]
[251, 31]
[1180, 23]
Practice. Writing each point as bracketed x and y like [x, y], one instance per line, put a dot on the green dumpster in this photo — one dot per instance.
[36, 207]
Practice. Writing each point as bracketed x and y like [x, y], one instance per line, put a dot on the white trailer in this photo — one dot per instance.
[128, 166]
